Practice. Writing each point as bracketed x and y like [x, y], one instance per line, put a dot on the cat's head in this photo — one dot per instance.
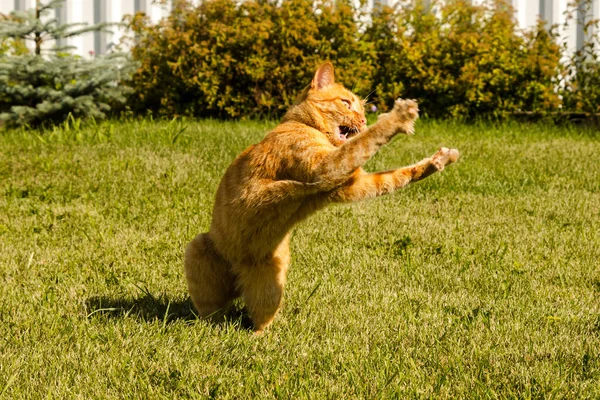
[331, 108]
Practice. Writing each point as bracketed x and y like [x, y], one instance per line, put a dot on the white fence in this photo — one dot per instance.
[94, 11]
[91, 12]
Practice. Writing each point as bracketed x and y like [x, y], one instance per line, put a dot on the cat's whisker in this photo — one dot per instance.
[367, 97]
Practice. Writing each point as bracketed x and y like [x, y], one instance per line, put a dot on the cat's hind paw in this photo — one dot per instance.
[408, 112]
[443, 157]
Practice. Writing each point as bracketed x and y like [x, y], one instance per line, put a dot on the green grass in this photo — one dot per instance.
[480, 282]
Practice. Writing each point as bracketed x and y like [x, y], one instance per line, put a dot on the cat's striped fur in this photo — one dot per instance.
[312, 158]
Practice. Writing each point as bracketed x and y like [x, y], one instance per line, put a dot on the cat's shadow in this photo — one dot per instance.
[150, 308]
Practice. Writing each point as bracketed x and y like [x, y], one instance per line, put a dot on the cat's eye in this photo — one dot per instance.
[347, 103]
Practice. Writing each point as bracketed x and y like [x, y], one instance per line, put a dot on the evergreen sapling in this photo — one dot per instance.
[45, 86]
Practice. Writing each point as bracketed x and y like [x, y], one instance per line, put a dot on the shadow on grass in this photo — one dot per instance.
[149, 308]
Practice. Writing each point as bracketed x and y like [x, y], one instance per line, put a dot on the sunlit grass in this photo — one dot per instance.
[482, 281]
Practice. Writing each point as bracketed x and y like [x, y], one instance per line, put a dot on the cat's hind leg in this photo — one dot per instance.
[210, 283]
[261, 286]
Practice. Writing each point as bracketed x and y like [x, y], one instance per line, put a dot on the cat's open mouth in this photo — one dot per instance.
[346, 132]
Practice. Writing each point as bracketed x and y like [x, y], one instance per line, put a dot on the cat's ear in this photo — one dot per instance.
[323, 77]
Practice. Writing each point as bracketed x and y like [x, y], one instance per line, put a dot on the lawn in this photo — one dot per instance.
[479, 282]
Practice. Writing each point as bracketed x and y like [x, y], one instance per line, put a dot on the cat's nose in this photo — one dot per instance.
[363, 121]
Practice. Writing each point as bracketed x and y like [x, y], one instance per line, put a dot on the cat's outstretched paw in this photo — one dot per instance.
[443, 157]
[408, 112]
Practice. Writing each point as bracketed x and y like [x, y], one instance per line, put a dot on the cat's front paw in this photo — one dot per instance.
[407, 111]
[443, 157]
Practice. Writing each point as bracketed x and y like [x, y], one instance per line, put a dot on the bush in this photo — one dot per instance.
[581, 75]
[226, 58]
[465, 61]
[229, 59]
[38, 91]
[41, 89]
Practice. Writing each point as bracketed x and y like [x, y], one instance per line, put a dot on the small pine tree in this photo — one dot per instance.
[43, 87]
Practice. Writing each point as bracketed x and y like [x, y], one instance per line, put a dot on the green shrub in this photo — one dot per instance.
[229, 59]
[226, 58]
[465, 61]
[38, 91]
[46, 87]
[581, 75]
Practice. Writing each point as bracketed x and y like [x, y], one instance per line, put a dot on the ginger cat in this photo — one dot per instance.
[311, 159]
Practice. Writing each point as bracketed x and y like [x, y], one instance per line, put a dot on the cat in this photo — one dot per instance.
[312, 158]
